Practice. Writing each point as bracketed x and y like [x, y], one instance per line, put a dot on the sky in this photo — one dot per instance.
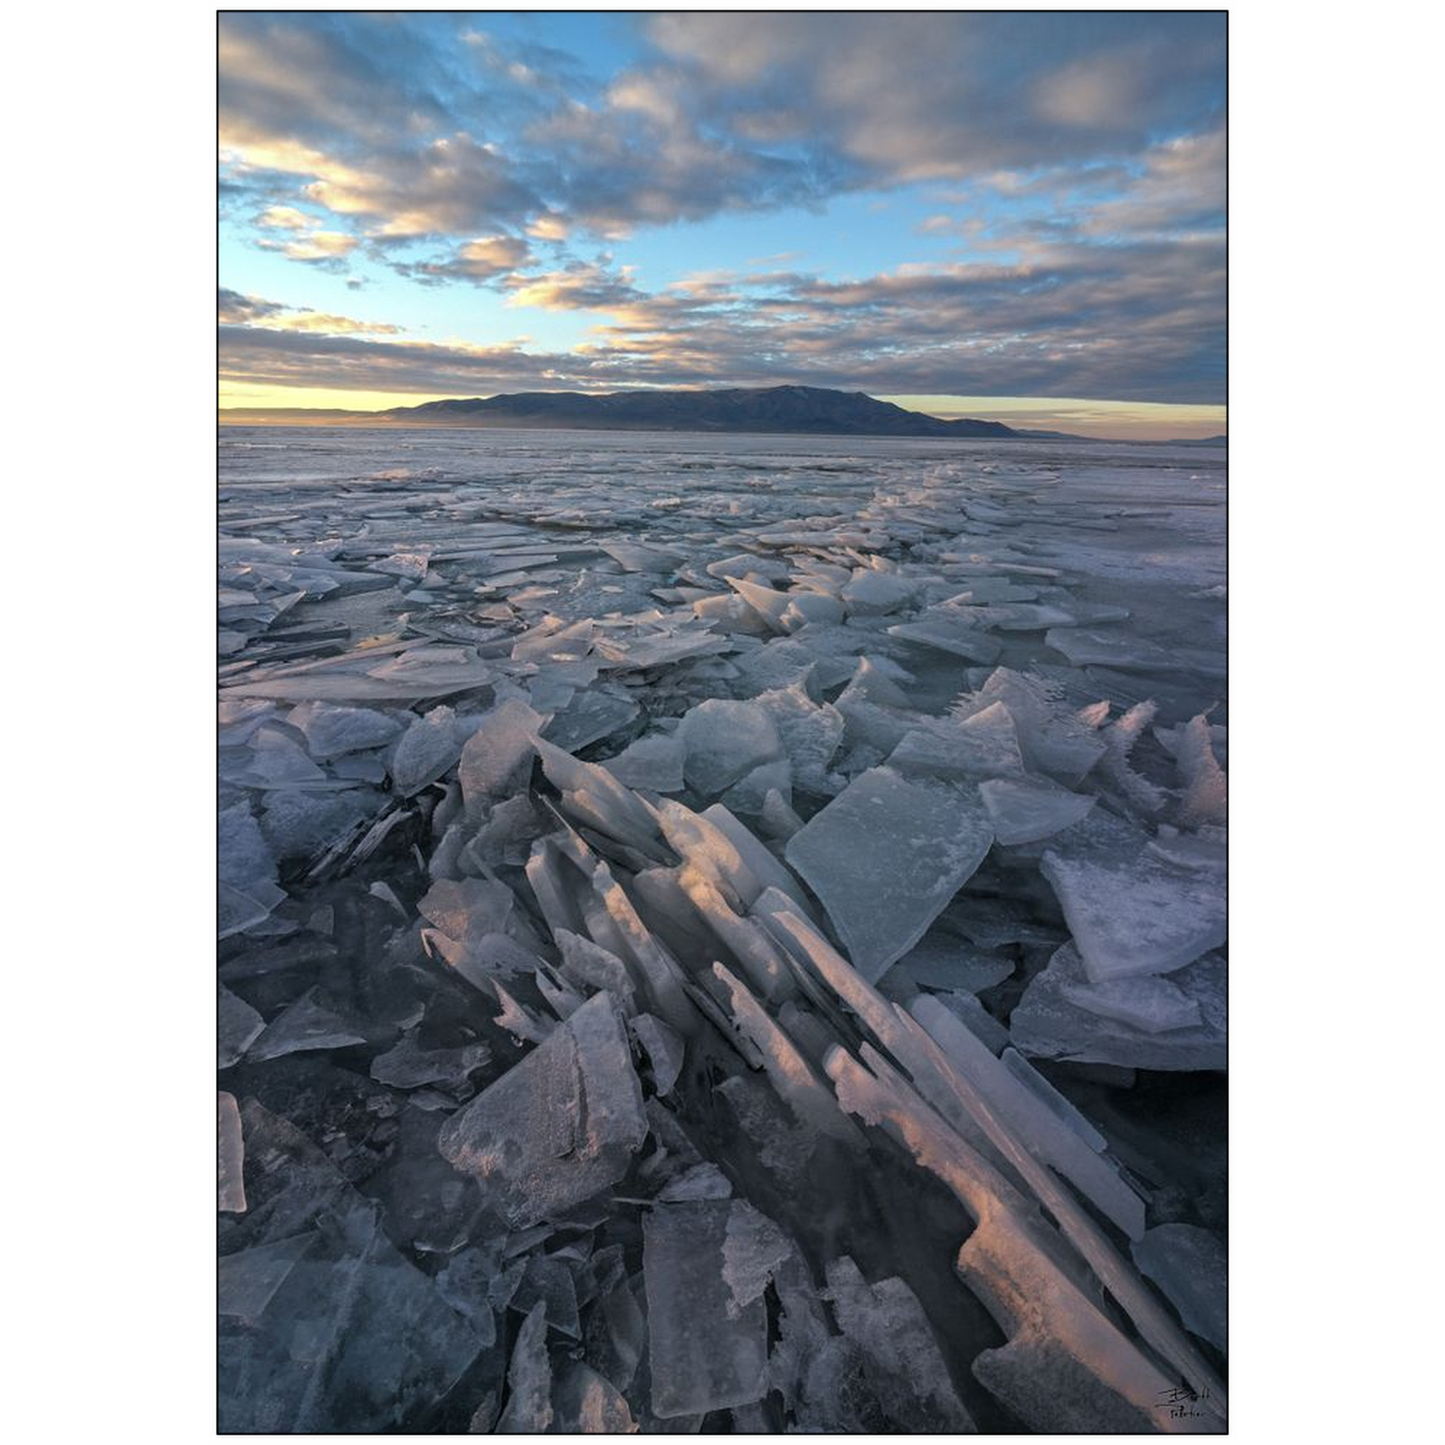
[1016, 216]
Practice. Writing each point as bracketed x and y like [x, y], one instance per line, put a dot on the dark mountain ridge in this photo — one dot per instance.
[805, 409]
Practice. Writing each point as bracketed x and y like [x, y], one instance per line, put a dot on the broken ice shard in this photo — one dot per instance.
[663, 1047]
[529, 1376]
[427, 749]
[558, 1127]
[706, 1351]
[355, 1339]
[246, 884]
[237, 1025]
[1025, 810]
[873, 593]
[939, 960]
[1053, 740]
[588, 717]
[810, 734]
[886, 856]
[588, 1403]
[409, 1066]
[653, 763]
[332, 731]
[499, 752]
[898, 1355]
[753, 1249]
[1189, 1265]
[1131, 913]
[246, 1280]
[308, 1024]
[1031, 1122]
[1046, 1024]
[1149, 1003]
[1130, 653]
[948, 633]
[725, 741]
[984, 745]
[409, 566]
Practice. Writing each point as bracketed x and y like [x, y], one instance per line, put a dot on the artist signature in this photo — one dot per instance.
[1180, 1400]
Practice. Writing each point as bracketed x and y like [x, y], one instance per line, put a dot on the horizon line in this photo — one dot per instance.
[1091, 419]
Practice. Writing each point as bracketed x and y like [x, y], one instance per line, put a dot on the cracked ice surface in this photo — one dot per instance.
[576, 791]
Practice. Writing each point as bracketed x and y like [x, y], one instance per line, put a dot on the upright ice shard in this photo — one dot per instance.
[1030, 1121]
[1053, 740]
[529, 1376]
[246, 885]
[588, 1403]
[1205, 787]
[810, 734]
[230, 1156]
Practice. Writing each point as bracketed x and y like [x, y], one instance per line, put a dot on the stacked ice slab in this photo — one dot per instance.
[722, 941]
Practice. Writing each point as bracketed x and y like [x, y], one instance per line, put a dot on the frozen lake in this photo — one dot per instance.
[676, 890]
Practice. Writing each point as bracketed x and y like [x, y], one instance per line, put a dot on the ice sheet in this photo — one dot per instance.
[737, 655]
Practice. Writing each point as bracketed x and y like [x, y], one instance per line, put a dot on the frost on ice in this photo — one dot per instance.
[730, 938]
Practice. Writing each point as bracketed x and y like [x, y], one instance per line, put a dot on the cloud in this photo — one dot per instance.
[315, 246]
[480, 260]
[1075, 245]
[418, 126]
[423, 126]
[579, 287]
[275, 357]
[310, 241]
[285, 218]
[549, 228]
[234, 309]
[373, 118]
[1180, 189]
[924, 96]
[1138, 320]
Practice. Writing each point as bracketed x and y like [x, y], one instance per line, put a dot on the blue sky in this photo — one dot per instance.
[1003, 213]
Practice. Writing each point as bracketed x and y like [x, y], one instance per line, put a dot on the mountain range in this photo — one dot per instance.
[806, 409]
